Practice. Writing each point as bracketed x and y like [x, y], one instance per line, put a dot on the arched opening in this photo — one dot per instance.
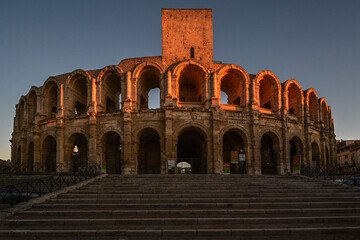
[232, 86]
[48, 154]
[190, 84]
[32, 107]
[111, 92]
[315, 155]
[268, 94]
[313, 107]
[30, 157]
[234, 153]
[111, 145]
[296, 154]
[149, 79]
[270, 153]
[149, 154]
[50, 100]
[294, 100]
[324, 112]
[21, 111]
[192, 149]
[78, 94]
[79, 153]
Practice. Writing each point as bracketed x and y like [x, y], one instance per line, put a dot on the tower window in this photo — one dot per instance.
[192, 52]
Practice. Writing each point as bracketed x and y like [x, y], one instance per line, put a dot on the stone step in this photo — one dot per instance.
[206, 194]
[220, 199]
[39, 212]
[233, 233]
[200, 204]
[219, 221]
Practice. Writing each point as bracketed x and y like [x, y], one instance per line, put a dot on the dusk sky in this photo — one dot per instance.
[315, 42]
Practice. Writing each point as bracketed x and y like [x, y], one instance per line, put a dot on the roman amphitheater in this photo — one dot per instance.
[102, 117]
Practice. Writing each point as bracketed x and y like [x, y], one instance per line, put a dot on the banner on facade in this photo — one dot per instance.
[234, 157]
[226, 168]
[296, 164]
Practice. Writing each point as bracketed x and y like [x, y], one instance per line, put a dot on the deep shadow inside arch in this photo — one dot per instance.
[296, 150]
[315, 155]
[149, 155]
[269, 154]
[191, 149]
[233, 148]
[112, 152]
[79, 154]
[49, 154]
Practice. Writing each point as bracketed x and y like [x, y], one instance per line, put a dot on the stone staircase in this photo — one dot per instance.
[193, 207]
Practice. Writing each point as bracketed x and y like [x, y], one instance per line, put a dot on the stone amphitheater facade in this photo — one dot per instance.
[88, 118]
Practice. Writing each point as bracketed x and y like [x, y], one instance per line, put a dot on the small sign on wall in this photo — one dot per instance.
[226, 168]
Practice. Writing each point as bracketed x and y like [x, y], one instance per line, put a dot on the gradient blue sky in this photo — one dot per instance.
[316, 42]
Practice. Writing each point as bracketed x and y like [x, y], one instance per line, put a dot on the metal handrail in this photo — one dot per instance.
[24, 191]
[334, 174]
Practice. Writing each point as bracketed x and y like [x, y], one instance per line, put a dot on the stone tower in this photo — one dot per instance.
[187, 34]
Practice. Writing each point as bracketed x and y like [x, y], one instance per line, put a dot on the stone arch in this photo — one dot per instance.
[270, 149]
[50, 98]
[78, 83]
[315, 155]
[235, 82]
[21, 111]
[324, 112]
[76, 151]
[111, 152]
[149, 151]
[32, 106]
[296, 151]
[148, 78]
[293, 98]
[110, 88]
[137, 71]
[192, 148]
[190, 81]
[312, 104]
[191, 125]
[234, 145]
[48, 154]
[268, 91]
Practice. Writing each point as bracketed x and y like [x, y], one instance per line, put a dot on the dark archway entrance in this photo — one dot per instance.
[111, 146]
[315, 155]
[30, 157]
[296, 153]
[234, 152]
[79, 152]
[191, 149]
[149, 155]
[269, 153]
[48, 156]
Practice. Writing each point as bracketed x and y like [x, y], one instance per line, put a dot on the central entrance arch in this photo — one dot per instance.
[149, 155]
[270, 156]
[48, 154]
[111, 145]
[191, 149]
[234, 152]
[315, 155]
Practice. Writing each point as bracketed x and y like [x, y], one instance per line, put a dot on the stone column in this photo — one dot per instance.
[60, 162]
[92, 161]
[217, 142]
[168, 137]
[128, 99]
[37, 151]
[127, 167]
